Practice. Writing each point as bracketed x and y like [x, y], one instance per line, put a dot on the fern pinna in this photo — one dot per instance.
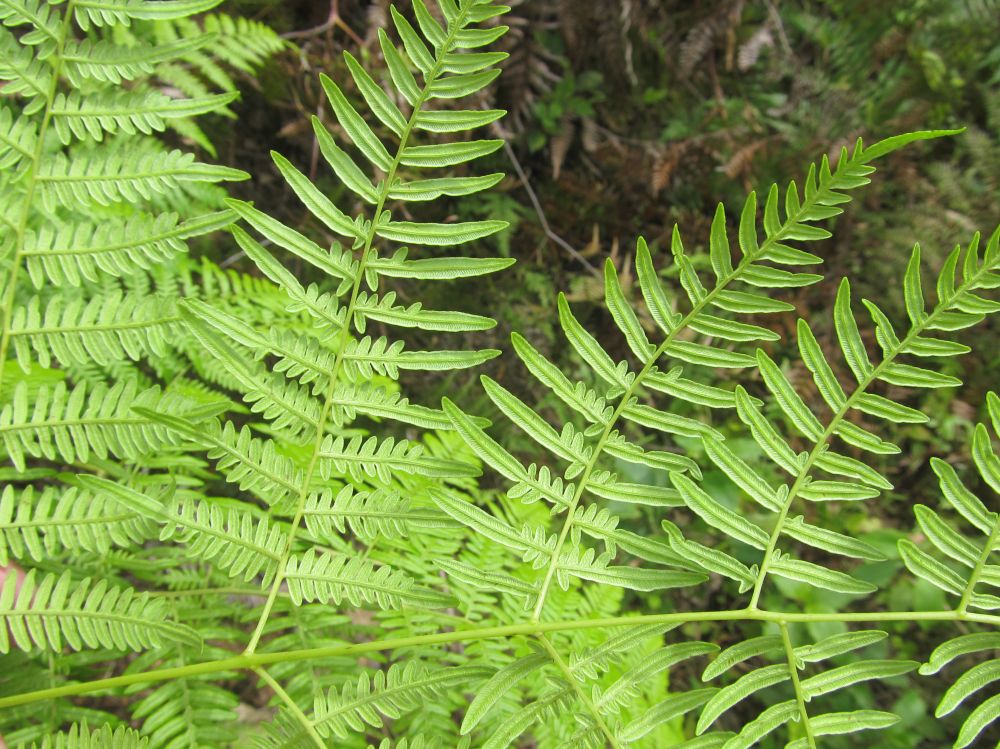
[281, 518]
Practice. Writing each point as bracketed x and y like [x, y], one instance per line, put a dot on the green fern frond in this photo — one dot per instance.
[78, 117]
[977, 275]
[806, 689]
[40, 16]
[37, 525]
[107, 176]
[601, 406]
[363, 459]
[56, 611]
[72, 424]
[972, 556]
[102, 329]
[334, 577]
[105, 61]
[78, 252]
[100, 13]
[316, 544]
[79, 736]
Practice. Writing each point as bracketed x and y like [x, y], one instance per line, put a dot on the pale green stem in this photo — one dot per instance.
[383, 196]
[838, 417]
[194, 592]
[581, 695]
[90, 328]
[793, 669]
[970, 588]
[301, 717]
[527, 629]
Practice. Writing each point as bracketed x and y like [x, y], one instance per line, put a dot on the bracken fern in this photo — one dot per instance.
[216, 482]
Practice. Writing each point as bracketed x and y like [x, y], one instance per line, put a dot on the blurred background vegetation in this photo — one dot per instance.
[629, 116]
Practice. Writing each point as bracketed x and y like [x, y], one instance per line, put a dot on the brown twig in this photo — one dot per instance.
[333, 20]
[541, 213]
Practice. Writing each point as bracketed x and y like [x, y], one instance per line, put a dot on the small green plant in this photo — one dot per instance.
[228, 494]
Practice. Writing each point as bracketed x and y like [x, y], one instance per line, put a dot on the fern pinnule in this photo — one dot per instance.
[79, 736]
[58, 423]
[103, 329]
[45, 613]
[41, 524]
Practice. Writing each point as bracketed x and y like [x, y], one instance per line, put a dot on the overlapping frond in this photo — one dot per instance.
[322, 391]
[85, 184]
[618, 402]
[804, 688]
[94, 206]
[966, 573]
[844, 478]
[235, 541]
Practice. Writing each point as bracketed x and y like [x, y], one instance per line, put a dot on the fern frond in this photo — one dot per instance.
[286, 404]
[78, 252]
[235, 541]
[71, 424]
[392, 692]
[39, 524]
[104, 61]
[56, 611]
[618, 386]
[78, 117]
[379, 513]
[972, 556]
[100, 13]
[362, 459]
[326, 576]
[79, 736]
[805, 689]
[863, 483]
[108, 176]
[102, 329]
[360, 360]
